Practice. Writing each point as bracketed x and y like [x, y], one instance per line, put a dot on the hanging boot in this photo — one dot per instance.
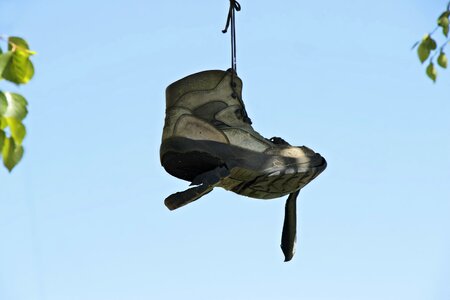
[208, 140]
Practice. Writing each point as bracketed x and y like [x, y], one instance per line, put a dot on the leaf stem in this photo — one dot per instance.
[434, 30]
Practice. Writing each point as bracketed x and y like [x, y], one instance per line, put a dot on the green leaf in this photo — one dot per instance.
[20, 69]
[444, 15]
[445, 30]
[12, 153]
[3, 103]
[15, 42]
[425, 48]
[430, 43]
[3, 123]
[443, 19]
[442, 60]
[431, 72]
[2, 139]
[5, 58]
[15, 65]
[17, 106]
[444, 22]
[18, 42]
[17, 130]
[423, 52]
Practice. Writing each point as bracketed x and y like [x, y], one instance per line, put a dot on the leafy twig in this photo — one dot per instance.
[427, 48]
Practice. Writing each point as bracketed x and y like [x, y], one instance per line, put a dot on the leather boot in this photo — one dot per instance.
[208, 140]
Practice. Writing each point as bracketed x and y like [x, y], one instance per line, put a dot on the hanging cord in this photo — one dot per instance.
[234, 6]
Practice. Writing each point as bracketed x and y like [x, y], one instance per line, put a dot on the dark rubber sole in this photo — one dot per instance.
[253, 174]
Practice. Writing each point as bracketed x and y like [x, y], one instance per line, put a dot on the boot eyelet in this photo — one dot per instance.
[233, 84]
[234, 95]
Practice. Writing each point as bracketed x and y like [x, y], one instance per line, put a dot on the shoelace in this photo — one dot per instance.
[234, 6]
[235, 95]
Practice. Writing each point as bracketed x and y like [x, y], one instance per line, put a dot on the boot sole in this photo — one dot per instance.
[253, 174]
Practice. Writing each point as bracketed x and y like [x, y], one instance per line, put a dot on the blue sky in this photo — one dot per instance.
[82, 216]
